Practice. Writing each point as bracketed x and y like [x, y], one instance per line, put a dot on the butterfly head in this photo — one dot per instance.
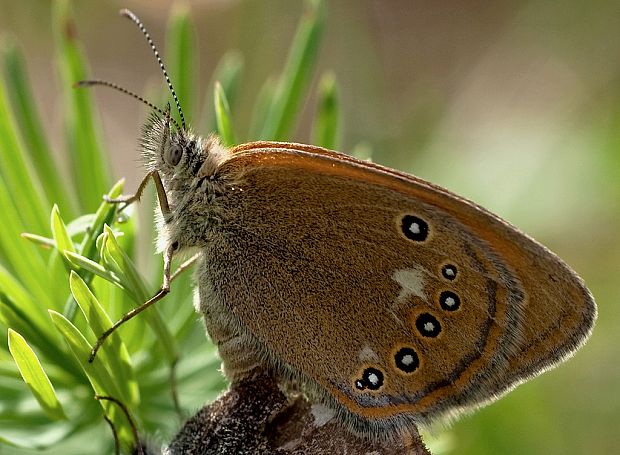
[184, 160]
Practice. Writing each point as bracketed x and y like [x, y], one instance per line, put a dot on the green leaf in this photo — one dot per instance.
[228, 72]
[261, 108]
[93, 267]
[113, 351]
[182, 57]
[297, 72]
[117, 260]
[136, 287]
[104, 215]
[27, 263]
[35, 378]
[85, 151]
[101, 378]
[223, 118]
[325, 131]
[44, 242]
[31, 129]
[24, 190]
[60, 233]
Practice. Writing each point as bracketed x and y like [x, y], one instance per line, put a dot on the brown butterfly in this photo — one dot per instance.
[390, 299]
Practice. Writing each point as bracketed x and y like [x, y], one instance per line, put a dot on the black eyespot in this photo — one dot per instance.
[174, 153]
[407, 360]
[371, 379]
[428, 325]
[448, 271]
[414, 228]
[449, 301]
[175, 246]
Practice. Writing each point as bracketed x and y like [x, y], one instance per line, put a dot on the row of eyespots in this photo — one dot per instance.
[371, 379]
[407, 359]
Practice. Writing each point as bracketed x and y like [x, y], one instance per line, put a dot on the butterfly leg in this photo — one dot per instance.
[165, 289]
[134, 429]
[128, 200]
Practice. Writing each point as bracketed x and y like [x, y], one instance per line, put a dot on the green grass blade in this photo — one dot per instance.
[137, 288]
[88, 166]
[104, 215]
[182, 58]
[13, 315]
[60, 233]
[93, 267]
[261, 108]
[13, 290]
[44, 242]
[20, 180]
[28, 120]
[99, 375]
[222, 116]
[113, 350]
[296, 75]
[325, 130]
[23, 260]
[228, 72]
[34, 376]
[119, 262]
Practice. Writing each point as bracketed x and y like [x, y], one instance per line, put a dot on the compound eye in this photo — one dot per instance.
[174, 154]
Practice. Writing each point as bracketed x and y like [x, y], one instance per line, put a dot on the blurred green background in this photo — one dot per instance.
[513, 104]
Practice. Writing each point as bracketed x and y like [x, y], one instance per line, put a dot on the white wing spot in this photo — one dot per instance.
[367, 355]
[449, 301]
[414, 228]
[407, 359]
[411, 282]
[373, 379]
[429, 327]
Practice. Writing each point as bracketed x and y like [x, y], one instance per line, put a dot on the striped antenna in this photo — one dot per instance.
[138, 22]
[91, 82]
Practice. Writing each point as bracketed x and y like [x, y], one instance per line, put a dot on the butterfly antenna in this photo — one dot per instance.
[138, 22]
[91, 82]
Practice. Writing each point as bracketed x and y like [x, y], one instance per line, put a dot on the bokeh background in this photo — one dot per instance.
[513, 104]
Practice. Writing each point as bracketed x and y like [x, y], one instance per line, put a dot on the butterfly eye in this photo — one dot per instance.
[174, 154]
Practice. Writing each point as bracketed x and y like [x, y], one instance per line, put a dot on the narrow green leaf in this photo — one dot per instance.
[182, 57]
[228, 72]
[59, 231]
[88, 164]
[23, 314]
[28, 265]
[104, 215]
[44, 242]
[24, 188]
[223, 118]
[101, 378]
[113, 350]
[296, 74]
[325, 130]
[32, 131]
[261, 108]
[14, 290]
[93, 267]
[116, 259]
[136, 287]
[34, 376]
